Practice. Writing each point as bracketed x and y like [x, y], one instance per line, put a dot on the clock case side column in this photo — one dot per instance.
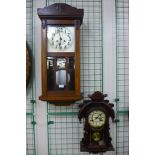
[43, 60]
[77, 60]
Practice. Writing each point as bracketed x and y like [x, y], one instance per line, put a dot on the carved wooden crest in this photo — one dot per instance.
[61, 11]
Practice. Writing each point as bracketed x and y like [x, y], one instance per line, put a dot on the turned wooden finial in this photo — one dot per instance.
[97, 96]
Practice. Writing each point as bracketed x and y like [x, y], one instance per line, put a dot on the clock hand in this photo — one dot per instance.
[60, 36]
[60, 39]
[101, 118]
[98, 116]
[59, 43]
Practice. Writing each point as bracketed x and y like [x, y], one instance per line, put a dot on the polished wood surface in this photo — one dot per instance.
[97, 102]
[61, 11]
[60, 14]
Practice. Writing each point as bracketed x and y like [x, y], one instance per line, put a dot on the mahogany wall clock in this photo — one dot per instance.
[96, 113]
[60, 53]
[28, 65]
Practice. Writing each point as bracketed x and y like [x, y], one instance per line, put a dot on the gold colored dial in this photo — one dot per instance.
[96, 119]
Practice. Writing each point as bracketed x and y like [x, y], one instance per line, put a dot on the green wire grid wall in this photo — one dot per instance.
[64, 130]
[30, 122]
[122, 76]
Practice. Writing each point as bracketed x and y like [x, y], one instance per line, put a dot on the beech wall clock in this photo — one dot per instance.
[60, 53]
[96, 113]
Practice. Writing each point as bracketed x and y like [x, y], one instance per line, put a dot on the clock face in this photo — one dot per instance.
[96, 119]
[61, 39]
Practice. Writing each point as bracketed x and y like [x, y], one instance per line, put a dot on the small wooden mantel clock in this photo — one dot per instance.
[60, 57]
[96, 113]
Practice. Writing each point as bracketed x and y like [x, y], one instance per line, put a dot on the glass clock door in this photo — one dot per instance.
[60, 73]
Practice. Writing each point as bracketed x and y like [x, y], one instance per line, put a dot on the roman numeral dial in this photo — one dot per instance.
[96, 119]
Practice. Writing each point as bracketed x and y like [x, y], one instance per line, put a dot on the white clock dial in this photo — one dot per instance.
[60, 39]
[96, 119]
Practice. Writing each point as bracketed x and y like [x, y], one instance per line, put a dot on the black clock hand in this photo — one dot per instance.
[60, 36]
[101, 118]
[98, 116]
[59, 44]
[60, 39]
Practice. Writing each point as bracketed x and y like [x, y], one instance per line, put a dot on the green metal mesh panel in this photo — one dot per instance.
[30, 124]
[64, 134]
[122, 76]
[30, 136]
[123, 134]
[29, 23]
[29, 39]
[64, 130]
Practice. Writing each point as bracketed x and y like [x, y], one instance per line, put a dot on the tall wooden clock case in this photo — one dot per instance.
[60, 52]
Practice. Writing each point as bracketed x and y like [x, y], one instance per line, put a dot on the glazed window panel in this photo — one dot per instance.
[60, 73]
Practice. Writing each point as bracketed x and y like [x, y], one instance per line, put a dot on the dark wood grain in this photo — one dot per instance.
[61, 11]
[97, 102]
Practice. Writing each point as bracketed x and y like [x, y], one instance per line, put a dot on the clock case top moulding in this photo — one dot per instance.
[59, 11]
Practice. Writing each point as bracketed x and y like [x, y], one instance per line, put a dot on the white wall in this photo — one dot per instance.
[110, 59]
[41, 116]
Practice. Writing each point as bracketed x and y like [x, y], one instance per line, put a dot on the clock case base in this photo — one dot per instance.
[60, 100]
[95, 149]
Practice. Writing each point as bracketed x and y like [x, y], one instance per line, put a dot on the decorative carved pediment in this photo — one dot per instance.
[97, 100]
[60, 11]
